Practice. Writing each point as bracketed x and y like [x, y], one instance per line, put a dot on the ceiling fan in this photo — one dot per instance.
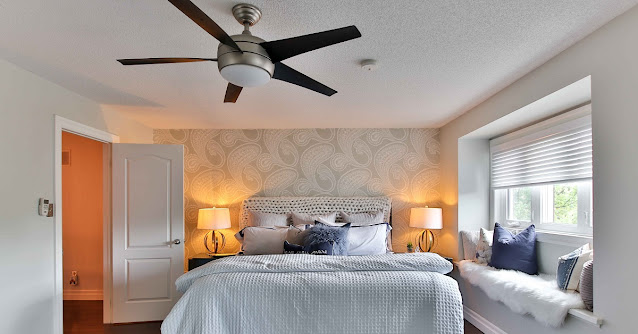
[245, 60]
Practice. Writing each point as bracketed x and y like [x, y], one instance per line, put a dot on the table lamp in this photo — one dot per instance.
[427, 219]
[214, 219]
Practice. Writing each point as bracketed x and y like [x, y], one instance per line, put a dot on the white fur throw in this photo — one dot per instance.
[538, 296]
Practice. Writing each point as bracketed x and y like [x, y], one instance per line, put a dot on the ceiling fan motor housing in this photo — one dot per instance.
[253, 54]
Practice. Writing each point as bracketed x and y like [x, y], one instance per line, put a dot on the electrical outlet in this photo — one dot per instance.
[74, 278]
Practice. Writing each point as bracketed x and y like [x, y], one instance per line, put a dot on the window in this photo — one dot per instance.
[542, 175]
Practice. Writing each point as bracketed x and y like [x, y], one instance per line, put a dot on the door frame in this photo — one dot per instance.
[61, 125]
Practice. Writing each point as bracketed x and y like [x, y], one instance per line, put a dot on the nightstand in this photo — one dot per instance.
[203, 258]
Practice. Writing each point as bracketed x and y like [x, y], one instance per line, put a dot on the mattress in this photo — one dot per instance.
[301, 293]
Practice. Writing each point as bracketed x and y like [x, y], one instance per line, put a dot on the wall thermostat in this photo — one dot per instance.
[45, 208]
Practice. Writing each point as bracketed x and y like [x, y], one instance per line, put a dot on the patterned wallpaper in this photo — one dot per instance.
[223, 167]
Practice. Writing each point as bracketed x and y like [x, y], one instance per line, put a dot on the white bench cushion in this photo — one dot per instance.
[538, 296]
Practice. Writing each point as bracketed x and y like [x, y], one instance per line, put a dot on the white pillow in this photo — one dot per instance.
[264, 219]
[295, 234]
[484, 246]
[306, 219]
[368, 240]
[264, 240]
[364, 218]
[470, 241]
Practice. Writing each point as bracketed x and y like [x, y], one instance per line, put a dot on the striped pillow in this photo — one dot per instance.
[570, 266]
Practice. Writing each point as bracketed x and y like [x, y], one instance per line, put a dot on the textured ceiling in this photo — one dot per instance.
[437, 58]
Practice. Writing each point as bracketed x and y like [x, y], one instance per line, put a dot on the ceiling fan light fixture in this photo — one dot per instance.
[244, 75]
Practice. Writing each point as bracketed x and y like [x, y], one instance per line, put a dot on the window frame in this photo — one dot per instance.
[499, 200]
[501, 207]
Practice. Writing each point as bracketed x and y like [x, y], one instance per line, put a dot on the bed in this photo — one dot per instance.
[302, 293]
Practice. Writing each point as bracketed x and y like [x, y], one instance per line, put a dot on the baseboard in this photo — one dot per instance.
[83, 295]
[481, 323]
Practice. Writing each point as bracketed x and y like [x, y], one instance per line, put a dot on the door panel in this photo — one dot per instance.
[148, 190]
[148, 279]
[148, 214]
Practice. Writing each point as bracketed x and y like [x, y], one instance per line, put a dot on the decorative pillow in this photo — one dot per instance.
[364, 218]
[570, 267]
[484, 246]
[296, 234]
[324, 233]
[587, 285]
[368, 240]
[470, 240]
[293, 248]
[514, 252]
[264, 240]
[306, 219]
[367, 219]
[320, 248]
[264, 219]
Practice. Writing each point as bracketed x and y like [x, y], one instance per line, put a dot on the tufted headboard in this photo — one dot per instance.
[315, 206]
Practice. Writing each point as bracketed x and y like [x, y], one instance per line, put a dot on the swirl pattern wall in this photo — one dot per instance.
[223, 167]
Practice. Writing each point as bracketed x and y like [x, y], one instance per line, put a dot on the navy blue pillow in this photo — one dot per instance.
[322, 233]
[293, 248]
[515, 252]
[320, 248]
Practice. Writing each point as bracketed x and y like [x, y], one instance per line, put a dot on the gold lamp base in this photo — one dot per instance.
[217, 243]
[426, 241]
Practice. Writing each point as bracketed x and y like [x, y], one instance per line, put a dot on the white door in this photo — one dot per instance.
[148, 230]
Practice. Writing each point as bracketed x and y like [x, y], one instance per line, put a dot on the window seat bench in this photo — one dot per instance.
[538, 296]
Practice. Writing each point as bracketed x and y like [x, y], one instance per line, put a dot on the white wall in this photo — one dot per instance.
[27, 106]
[474, 185]
[610, 56]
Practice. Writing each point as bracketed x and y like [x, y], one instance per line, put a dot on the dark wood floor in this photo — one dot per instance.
[85, 317]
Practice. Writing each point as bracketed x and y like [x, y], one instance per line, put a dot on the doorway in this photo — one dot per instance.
[85, 185]
[143, 227]
[70, 129]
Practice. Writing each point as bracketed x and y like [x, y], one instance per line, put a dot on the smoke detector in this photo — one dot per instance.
[369, 65]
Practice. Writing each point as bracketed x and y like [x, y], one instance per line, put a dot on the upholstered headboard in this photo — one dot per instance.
[315, 206]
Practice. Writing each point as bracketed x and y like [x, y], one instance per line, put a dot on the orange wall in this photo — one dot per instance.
[82, 217]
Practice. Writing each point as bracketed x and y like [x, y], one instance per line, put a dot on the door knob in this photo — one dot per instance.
[177, 241]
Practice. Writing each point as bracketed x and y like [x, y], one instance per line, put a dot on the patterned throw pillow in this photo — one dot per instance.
[293, 248]
[321, 248]
[484, 246]
[570, 266]
[586, 285]
[470, 240]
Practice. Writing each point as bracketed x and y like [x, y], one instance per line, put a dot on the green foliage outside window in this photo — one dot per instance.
[522, 204]
[566, 204]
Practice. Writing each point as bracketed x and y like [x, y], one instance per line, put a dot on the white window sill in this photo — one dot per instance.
[586, 316]
[560, 238]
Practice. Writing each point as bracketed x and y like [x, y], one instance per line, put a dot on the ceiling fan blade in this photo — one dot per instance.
[204, 21]
[146, 61]
[288, 74]
[290, 47]
[232, 93]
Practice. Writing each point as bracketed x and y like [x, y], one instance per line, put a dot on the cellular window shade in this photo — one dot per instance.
[557, 154]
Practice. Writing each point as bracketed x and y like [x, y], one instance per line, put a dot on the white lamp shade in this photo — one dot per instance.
[428, 218]
[213, 219]
[243, 75]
